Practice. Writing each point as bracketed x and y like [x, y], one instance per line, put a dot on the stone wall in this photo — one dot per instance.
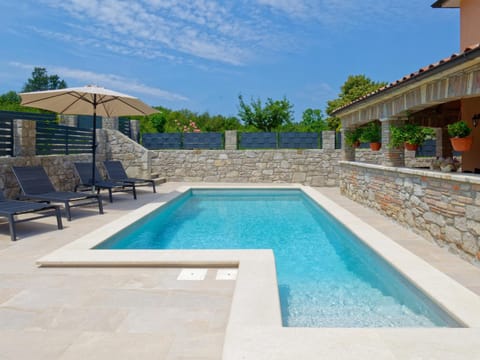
[309, 167]
[58, 167]
[376, 157]
[316, 167]
[369, 156]
[444, 208]
[134, 157]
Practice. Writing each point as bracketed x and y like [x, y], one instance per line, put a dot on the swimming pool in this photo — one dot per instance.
[326, 276]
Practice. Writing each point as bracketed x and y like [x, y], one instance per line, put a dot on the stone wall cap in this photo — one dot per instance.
[460, 177]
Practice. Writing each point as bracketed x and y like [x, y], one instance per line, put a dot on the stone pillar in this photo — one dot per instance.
[110, 123]
[438, 142]
[68, 120]
[24, 137]
[328, 140]
[231, 140]
[135, 130]
[391, 156]
[348, 151]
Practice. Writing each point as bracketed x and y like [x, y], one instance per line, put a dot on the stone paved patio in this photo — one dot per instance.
[103, 313]
[146, 313]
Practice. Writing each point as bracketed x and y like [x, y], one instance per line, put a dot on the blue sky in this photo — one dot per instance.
[201, 54]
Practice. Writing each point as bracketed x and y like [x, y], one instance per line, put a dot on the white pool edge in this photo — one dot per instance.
[255, 305]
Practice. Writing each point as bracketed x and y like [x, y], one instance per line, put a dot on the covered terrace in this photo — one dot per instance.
[434, 96]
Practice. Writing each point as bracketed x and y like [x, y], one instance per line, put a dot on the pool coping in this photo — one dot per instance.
[255, 311]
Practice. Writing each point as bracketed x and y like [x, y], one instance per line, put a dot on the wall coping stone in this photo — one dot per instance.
[460, 177]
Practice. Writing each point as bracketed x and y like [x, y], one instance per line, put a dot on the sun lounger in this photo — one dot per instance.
[11, 209]
[84, 171]
[36, 185]
[115, 171]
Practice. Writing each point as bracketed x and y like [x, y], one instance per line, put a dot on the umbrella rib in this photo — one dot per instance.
[74, 94]
[124, 102]
[79, 98]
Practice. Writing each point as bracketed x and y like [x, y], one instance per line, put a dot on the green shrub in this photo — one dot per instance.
[409, 133]
[459, 129]
[353, 136]
[371, 133]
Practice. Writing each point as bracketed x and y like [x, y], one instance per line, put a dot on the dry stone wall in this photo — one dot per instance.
[444, 208]
[316, 167]
[309, 167]
[59, 169]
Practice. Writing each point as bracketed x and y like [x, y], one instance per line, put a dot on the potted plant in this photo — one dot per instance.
[409, 135]
[352, 137]
[460, 136]
[372, 134]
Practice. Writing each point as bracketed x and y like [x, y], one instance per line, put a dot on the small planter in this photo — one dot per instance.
[461, 144]
[375, 146]
[411, 147]
[356, 144]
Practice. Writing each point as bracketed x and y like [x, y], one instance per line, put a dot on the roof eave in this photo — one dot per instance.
[460, 59]
[446, 4]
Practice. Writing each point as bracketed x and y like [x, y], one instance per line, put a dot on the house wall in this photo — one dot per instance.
[469, 23]
[444, 208]
[471, 159]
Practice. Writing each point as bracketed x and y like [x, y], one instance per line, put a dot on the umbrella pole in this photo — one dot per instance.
[94, 140]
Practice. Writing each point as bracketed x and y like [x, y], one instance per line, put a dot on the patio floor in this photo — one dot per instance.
[136, 313]
[103, 313]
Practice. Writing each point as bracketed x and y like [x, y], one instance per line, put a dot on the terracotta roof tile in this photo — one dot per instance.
[422, 71]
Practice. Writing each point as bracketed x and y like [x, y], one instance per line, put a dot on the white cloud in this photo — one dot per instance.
[229, 32]
[113, 81]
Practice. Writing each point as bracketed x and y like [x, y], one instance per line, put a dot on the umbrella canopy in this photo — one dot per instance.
[87, 100]
[84, 100]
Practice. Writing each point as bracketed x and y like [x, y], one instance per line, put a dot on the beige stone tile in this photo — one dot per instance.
[16, 319]
[7, 293]
[441, 344]
[38, 298]
[207, 346]
[167, 321]
[38, 345]
[98, 345]
[80, 319]
[127, 298]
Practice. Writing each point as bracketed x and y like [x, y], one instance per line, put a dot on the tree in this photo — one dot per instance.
[313, 120]
[354, 87]
[272, 115]
[10, 101]
[40, 80]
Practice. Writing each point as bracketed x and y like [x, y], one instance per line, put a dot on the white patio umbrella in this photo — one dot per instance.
[87, 100]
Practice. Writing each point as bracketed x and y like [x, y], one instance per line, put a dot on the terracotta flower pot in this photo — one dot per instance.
[375, 146]
[411, 147]
[356, 144]
[461, 144]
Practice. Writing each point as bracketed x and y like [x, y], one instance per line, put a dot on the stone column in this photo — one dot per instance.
[24, 137]
[135, 130]
[328, 140]
[438, 142]
[348, 151]
[391, 156]
[110, 123]
[68, 120]
[231, 140]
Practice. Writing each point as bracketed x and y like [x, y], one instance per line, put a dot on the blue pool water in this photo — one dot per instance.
[326, 276]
